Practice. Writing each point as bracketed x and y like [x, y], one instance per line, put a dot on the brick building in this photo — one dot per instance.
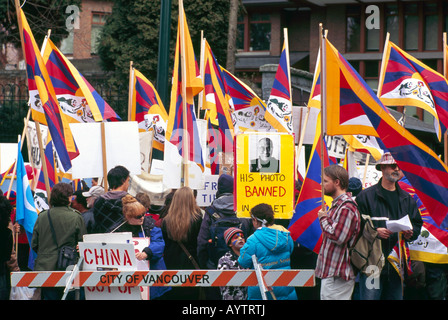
[415, 26]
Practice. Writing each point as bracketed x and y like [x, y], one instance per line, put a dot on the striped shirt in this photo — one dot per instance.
[339, 229]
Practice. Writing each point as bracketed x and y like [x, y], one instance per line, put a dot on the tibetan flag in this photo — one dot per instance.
[79, 184]
[213, 147]
[365, 144]
[400, 258]
[248, 108]
[304, 225]
[431, 245]
[422, 167]
[147, 108]
[216, 101]
[50, 164]
[39, 84]
[279, 106]
[409, 82]
[182, 130]
[346, 100]
[314, 100]
[26, 214]
[358, 142]
[76, 97]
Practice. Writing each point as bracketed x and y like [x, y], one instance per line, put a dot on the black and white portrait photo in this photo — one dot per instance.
[264, 154]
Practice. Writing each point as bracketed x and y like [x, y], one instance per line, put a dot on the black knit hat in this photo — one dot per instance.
[225, 184]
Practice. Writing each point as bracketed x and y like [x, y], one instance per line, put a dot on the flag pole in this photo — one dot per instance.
[42, 159]
[323, 105]
[185, 138]
[302, 135]
[445, 144]
[201, 94]
[380, 81]
[378, 94]
[39, 135]
[103, 149]
[131, 91]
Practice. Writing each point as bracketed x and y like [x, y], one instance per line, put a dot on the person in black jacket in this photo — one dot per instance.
[387, 201]
[221, 207]
[108, 208]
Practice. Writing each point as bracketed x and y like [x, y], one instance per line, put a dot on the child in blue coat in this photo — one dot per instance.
[272, 245]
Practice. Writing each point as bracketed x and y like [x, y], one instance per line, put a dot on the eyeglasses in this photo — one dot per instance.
[139, 217]
[394, 166]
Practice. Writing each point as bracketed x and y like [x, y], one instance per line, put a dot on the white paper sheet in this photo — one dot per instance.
[402, 224]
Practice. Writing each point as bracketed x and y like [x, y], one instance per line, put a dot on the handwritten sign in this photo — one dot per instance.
[99, 256]
[206, 196]
[274, 184]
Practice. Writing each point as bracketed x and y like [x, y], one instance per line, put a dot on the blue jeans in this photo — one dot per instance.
[387, 287]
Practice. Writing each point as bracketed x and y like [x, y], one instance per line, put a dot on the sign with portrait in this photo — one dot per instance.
[264, 172]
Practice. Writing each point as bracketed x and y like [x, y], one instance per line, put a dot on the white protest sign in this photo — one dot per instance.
[146, 139]
[116, 237]
[8, 155]
[139, 245]
[299, 117]
[206, 196]
[336, 146]
[109, 256]
[122, 148]
[33, 143]
[172, 166]
[372, 176]
[100, 256]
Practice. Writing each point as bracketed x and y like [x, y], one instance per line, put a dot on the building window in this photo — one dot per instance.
[240, 33]
[414, 26]
[98, 22]
[392, 26]
[411, 26]
[67, 44]
[254, 32]
[260, 32]
[431, 25]
[371, 73]
[353, 29]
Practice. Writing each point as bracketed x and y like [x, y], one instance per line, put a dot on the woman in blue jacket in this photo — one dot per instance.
[272, 245]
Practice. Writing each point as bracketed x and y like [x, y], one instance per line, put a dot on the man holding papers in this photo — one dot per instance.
[384, 202]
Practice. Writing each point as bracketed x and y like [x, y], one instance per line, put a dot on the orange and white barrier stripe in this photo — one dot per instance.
[187, 278]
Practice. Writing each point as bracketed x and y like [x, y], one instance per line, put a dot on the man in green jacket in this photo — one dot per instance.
[69, 229]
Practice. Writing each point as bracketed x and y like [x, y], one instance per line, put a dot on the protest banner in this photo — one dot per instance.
[206, 195]
[109, 252]
[122, 146]
[8, 155]
[264, 172]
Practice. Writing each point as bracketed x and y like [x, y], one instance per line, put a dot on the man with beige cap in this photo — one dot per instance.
[91, 195]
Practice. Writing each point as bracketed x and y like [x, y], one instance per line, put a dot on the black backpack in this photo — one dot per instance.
[217, 246]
